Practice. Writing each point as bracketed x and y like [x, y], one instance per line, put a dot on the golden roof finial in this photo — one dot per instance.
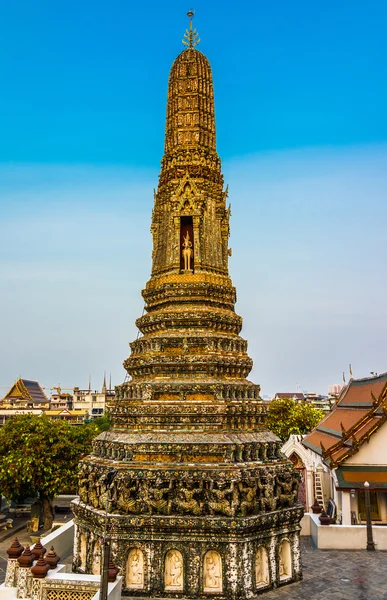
[191, 37]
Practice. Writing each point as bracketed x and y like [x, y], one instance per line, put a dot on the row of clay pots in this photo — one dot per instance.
[317, 510]
[26, 557]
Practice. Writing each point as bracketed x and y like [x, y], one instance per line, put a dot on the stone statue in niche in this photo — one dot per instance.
[212, 572]
[135, 569]
[96, 567]
[187, 252]
[174, 570]
[262, 567]
[285, 560]
[83, 551]
[281, 565]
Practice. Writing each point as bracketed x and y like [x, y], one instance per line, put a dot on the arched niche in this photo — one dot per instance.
[285, 560]
[83, 551]
[212, 572]
[135, 569]
[262, 574]
[96, 566]
[174, 571]
[300, 468]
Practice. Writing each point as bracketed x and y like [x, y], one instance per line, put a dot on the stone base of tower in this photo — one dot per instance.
[191, 557]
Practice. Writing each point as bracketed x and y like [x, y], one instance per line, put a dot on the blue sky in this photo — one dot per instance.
[300, 95]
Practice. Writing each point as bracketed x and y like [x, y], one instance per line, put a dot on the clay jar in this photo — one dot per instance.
[38, 549]
[15, 549]
[316, 508]
[39, 570]
[27, 558]
[113, 571]
[324, 519]
[52, 558]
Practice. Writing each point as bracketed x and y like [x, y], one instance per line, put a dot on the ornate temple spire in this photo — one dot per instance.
[190, 197]
[190, 485]
[190, 109]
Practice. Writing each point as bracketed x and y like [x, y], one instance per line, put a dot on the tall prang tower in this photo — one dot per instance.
[191, 488]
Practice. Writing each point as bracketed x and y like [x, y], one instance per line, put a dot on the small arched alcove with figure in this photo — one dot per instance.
[262, 573]
[135, 569]
[96, 566]
[173, 571]
[83, 552]
[285, 560]
[212, 572]
[186, 243]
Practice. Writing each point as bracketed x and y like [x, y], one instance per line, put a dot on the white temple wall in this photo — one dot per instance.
[62, 539]
[345, 537]
[372, 452]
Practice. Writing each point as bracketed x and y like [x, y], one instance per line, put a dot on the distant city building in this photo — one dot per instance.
[92, 402]
[318, 401]
[335, 390]
[78, 407]
[7, 413]
[61, 400]
[296, 396]
[74, 417]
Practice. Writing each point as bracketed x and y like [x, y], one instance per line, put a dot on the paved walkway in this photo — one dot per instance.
[328, 574]
[337, 575]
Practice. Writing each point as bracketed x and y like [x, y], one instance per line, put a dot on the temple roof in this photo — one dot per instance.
[25, 389]
[359, 411]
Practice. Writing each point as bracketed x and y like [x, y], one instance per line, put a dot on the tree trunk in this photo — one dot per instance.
[48, 512]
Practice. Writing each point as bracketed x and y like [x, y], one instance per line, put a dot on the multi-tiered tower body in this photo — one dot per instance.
[189, 485]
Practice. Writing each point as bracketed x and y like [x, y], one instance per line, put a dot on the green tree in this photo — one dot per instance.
[286, 417]
[39, 456]
[103, 423]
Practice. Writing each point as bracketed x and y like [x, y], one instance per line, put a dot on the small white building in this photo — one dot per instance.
[346, 449]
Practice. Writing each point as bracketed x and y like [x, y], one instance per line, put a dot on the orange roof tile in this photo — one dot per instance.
[359, 393]
[347, 416]
[360, 410]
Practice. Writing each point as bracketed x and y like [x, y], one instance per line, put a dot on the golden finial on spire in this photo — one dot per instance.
[191, 37]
